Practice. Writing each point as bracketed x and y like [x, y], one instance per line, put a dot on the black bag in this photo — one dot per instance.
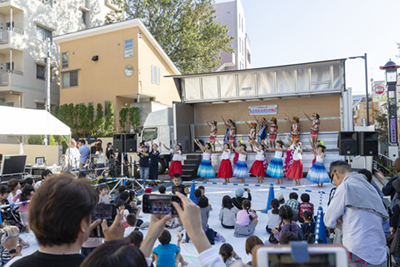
[272, 239]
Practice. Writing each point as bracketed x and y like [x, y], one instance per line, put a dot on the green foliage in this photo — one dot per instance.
[56, 110]
[123, 117]
[108, 124]
[185, 29]
[134, 117]
[381, 121]
[82, 117]
[75, 119]
[62, 114]
[90, 119]
[99, 122]
[35, 139]
[70, 111]
[52, 142]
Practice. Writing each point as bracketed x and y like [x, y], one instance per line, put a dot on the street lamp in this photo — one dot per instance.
[391, 81]
[366, 83]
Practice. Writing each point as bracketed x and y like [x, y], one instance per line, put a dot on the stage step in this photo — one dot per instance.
[190, 166]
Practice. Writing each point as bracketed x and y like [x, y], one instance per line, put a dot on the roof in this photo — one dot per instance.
[117, 27]
[22, 121]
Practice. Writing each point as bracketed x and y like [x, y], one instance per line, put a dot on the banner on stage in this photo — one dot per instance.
[260, 110]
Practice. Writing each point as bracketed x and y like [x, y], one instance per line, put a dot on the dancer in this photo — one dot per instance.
[252, 136]
[240, 169]
[295, 128]
[275, 167]
[231, 131]
[261, 129]
[213, 132]
[176, 165]
[265, 163]
[314, 127]
[225, 168]
[317, 173]
[295, 171]
[257, 169]
[273, 132]
[205, 170]
[289, 146]
[313, 149]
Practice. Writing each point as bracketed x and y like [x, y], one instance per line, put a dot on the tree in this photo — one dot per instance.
[90, 119]
[55, 111]
[109, 122]
[99, 122]
[82, 117]
[69, 119]
[185, 29]
[75, 119]
[134, 117]
[62, 114]
[381, 121]
[122, 117]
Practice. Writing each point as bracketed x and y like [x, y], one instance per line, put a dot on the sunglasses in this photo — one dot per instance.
[331, 176]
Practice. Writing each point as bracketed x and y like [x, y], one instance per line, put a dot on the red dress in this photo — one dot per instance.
[296, 169]
[272, 132]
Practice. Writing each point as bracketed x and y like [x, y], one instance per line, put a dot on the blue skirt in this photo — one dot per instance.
[206, 170]
[275, 168]
[240, 170]
[318, 173]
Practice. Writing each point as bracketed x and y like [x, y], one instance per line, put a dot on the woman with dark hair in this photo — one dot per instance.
[286, 214]
[27, 192]
[100, 160]
[4, 193]
[115, 253]
[251, 242]
[228, 213]
[30, 181]
[15, 186]
[110, 151]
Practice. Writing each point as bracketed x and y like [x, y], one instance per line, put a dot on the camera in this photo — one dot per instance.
[160, 204]
[103, 212]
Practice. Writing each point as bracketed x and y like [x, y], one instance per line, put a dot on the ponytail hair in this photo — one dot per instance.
[286, 213]
[26, 191]
[247, 205]
[226, 251]
[275, 206]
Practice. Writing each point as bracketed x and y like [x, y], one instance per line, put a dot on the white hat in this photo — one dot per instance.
[278, 196]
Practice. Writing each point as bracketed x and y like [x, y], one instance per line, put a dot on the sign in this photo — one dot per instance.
[393, 131]
[379, 93]
[260, 110]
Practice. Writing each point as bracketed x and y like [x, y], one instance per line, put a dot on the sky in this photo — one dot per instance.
[288, 31]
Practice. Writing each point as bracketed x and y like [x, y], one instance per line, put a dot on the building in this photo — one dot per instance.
[120, 62]
[232, 14]
[24, 28]
[360, 111]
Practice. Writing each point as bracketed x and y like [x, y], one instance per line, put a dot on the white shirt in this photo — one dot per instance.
[206, 156]
[242, 157]
[273, 219]
[226, 154]
[260, 155]
[129, 230]
[74, 157]
[362, 230]
[211, 258]
[297, 156]
[100, 159]
[178, 156]
[10, 196]
[278, 154]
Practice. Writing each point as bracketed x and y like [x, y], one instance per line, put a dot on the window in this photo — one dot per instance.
[239, 21]
[48, 2]
[149, 134]
[8, 25]
[91, 103]
[40, 106]
[9, 104]
[128, 48]
[84, 17]
[42, 33]
[155, 74]
[69, 79]
[40, 70]
[8, 67]
[65, 60]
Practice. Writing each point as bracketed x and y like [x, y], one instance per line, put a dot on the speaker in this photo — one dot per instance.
[348, 145]
[368, 143]
[118, 142]
[130, 143]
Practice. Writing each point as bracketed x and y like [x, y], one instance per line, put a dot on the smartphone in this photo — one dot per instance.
[280, 256]
[103, 212]
[160, 204]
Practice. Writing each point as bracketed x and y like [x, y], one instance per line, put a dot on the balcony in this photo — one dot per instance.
[5, 76]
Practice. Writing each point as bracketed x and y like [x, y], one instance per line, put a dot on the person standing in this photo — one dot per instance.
[100, 164]
[84, 151]
[357, 210]
[154, 156]
[73, 156]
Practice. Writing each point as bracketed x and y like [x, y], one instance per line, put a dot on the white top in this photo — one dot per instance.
[73, 157]
[320, 158]
[273, 219]
[260, 155]
[362, 230]
[129, 230]
[228, 216]
[278, 154]
[226, 154]
[242, 157]
[206, 156]
[291, 147]
[100, 159]
[176, 157]
[10, 196]
[297, 156]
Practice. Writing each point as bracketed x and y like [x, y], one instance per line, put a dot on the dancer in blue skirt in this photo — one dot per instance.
[240, 169]
[317, 173]
[205, 170]
[275, 167]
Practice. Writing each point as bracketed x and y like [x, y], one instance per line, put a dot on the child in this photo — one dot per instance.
[273, 131]
[136, 238]
[228, 254]
[295, 205]
[251, 242]
[257, 169]
[240, 169]
[289, 146]
[167, 254]
[237, 201]
[104, 197]
[204, 211]
[203, 191]
[280, 198]
[317, 173]
[294, 129]
[225, 168]
[288, 237]
[27, 192]
[131, 221]
[273, 216]
[213, 132]
[120, 204]
[144, 163]
[253, 134]
[275, 167]
[205, 169]
[15, 187]
[314, 127]
[197, 196]
[286, 215]
[295, 171]
[306, 205]
[308, 226]
[246, 221]
[228, 213]
[176, 165]
[178, 187]
[231, 131]
[162, 189]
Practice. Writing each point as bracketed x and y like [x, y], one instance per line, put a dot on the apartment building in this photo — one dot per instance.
[360, 110]
[232, 14]
[24, 28]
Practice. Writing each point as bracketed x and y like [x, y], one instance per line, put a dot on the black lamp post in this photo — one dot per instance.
[366, 83]
[391, 81]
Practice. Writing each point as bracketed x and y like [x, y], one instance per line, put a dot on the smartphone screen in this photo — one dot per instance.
[159, 204]
[103, 212]
[317, 260]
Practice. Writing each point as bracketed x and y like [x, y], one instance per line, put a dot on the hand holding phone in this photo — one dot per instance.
[160, 204]
[102, 212]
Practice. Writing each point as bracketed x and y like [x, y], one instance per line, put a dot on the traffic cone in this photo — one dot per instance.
[271, 196]
[320, 233]
[192, 188]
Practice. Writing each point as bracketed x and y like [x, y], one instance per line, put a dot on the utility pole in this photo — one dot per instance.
[47, 76]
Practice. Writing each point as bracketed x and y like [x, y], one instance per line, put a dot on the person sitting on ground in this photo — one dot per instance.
[308, 226]
[305, 205]
[125, 196]
[20, 240]
[280, 198]
[197, 196]
[273, 216]
[30, 181]
[246, 220]
[251, 242]
[15, 187]
[136, 238]
[295, 205]
[288, 237]
[131, 221]
[121, 189]
[228, 213]
[203, 192]
[178, 186]
[162, 189]
[237, 201]
[45, 174]
[27, 192]
[120, 205]
[166, 254]
[104, 197]
[388, 189]
[286, 215]
[228, 255]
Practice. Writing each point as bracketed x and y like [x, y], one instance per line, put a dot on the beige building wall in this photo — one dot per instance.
[51, 153]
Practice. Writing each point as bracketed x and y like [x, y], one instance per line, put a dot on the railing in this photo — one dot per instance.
[3, 1]
[4, 78]
[16, 72]
[385, 165]
[4, 36]
[16, 30]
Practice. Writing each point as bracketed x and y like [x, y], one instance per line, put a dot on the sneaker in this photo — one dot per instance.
[221, 238]
[144, 225]
[181, 228]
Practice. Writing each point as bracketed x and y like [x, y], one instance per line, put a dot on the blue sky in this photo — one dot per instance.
[287, 31]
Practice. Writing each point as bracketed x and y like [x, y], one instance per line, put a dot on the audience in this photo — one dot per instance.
[237, 201]
[228, 213]
[197, 196]
[103, 196]
[295, 205]
[388, 189]
[288, 237]
[84, 154]
[4, 193]
[136, 238]
[308, 226]
[177, 187]
[27, 192]
[45, 174]
[246, 220]
[280, 198]
[368, 176]
[305, 205]
[251, 242]
[228, 255]
[15, 187]
[162, 189]
[273, 216]
[286, 215]
[131, 221]
[167, 254]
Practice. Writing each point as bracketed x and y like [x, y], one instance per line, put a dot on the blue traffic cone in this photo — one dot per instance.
[320, 233]
[192, 188]
[271, 196]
